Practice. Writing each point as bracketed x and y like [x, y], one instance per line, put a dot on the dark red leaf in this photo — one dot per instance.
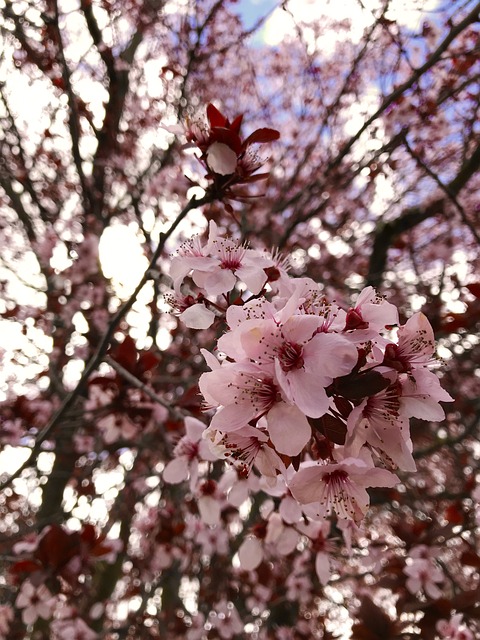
[374, 624]
[470, 558]
[190, 399]
[454, 514]
[262, 135]
[468, 601]
[25, 566]
[343, 406]
[126, 354]
[321, 447]
[357, 386]
[225, 136]
[57, 547]
[474, 288]
[10, 313]
[236, 124]
[88, 534]
[296, 462]
[147, 361]
[332, 428]
[215, 118]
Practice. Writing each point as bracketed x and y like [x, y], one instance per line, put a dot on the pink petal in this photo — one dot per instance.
[233, 417]
[322, 567]
[29, 615]
[220, 281]
[332, 355]
[176, 470]
[194, 428]
[303, 389]
[287, 541]
[306, 483]
[288, 428]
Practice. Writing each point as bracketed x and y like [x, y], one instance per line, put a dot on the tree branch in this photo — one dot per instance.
[387, 232]
[102, 348]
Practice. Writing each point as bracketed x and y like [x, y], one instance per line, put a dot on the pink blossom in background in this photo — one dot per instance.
[35, 602]
[454, 629]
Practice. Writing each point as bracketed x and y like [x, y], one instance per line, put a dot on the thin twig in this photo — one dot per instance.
[134, 381]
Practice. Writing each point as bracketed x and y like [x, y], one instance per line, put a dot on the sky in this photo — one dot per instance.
[408, 13]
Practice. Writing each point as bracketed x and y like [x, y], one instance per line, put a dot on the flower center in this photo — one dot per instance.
[232, 258]
[290, 356]
[336, 477]
[186, 447]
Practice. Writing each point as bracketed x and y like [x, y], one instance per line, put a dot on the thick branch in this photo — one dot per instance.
[452, 196]
[387, 232]
[73, 118]
[17, 206]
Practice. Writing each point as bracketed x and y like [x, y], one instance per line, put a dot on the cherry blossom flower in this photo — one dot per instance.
[227, 158]
[322, 547]
[274, 537]
[193, 256]
[424, 575]
[72, 629]
[304, 362]
[243, 392]
[415, 348]
[246, 447]
[454, 629]
[187, 453]
[339, 487]
[6, 617]
[218, 265]
[371, 311]
[423, 572]
[35, 602]
[213, 540]
[377, 421]
[284, 538]
[226, 620]
[298, 583]
[114, 425]
[236, 262]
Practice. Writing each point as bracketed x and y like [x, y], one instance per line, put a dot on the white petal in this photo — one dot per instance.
[250, 554]
[221, 159]
[209, 510]
[287, 541]
[197, 317]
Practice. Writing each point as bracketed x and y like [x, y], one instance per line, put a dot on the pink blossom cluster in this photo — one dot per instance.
[216, 268]
[301, 387]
